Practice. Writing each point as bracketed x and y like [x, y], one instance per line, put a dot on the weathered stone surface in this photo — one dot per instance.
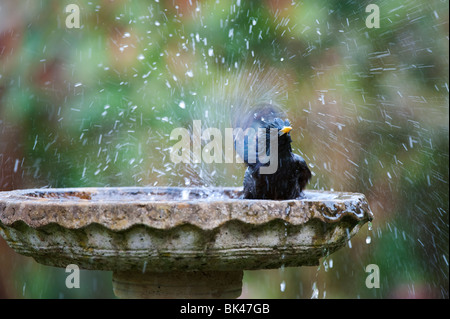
[178, 284]
[177, 229]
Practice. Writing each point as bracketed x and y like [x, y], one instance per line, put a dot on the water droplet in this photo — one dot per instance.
[325, 265]
[349, 242]
[141, 57]
[126, 35]
[145, 266]
[182, 104]
[368, 240]
[16, 166]
[185, 195]
[282, 286]
[315, 294]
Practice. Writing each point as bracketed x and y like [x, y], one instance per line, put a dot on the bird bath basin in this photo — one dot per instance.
[168, 242]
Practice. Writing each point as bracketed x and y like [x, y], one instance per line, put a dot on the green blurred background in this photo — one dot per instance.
[95, 106]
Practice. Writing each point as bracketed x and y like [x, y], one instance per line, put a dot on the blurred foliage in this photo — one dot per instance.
[95, 106]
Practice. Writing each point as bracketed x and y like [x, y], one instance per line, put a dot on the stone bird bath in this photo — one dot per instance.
[177, 242]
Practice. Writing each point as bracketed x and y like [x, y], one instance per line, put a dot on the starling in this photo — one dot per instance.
[291, 172]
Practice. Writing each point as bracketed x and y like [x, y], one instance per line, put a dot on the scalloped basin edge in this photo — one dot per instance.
[177, 229]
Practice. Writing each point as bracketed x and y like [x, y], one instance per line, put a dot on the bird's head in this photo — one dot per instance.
[262, 119]
[283, 127]
[284, 136]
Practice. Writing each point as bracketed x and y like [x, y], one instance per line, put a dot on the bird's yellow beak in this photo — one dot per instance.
[285, 130]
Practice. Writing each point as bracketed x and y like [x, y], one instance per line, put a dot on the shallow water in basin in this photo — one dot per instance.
[167, 194]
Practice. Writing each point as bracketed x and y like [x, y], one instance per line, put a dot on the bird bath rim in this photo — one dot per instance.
[160, 207]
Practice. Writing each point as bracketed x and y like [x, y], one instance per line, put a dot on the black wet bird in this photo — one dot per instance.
[291, 174]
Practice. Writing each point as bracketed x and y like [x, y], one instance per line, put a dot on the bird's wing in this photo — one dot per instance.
[305, 175]
[249, 184]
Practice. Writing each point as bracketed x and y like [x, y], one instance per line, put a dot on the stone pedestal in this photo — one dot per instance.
[178, 284]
